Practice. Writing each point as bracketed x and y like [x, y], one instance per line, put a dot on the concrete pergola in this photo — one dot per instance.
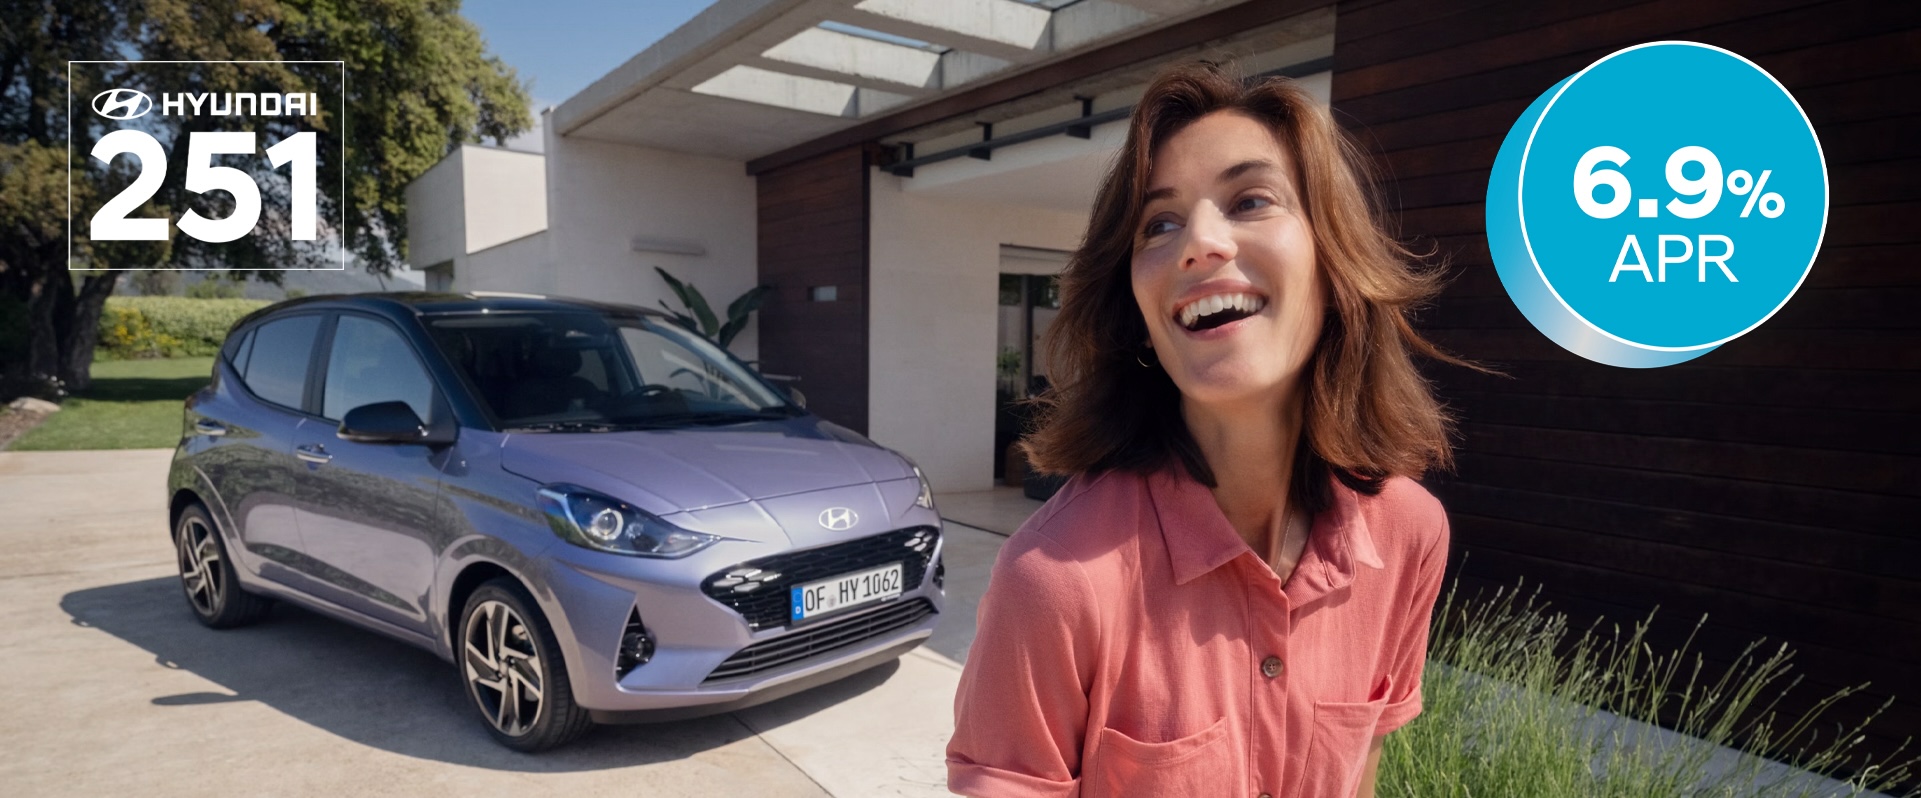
[750, 77]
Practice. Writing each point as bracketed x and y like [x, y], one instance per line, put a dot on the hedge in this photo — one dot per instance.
[168, 326]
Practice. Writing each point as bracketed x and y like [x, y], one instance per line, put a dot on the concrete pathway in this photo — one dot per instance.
[113, 688]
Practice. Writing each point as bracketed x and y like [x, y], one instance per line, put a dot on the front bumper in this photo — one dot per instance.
[714, 703]
[708, 657]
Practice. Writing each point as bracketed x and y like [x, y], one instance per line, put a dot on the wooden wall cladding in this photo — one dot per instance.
[813, 233]
[1773, 484]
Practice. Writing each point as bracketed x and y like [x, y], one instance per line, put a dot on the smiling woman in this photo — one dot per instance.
[1231, 595]
[1111, 413]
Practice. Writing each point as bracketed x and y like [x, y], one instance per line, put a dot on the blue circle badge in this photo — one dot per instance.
[1665, 200]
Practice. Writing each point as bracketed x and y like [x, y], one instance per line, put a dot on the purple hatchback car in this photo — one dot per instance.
[598, 515]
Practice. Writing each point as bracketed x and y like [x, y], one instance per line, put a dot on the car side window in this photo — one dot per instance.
[370, 362]
[237, 350]
[284, 346]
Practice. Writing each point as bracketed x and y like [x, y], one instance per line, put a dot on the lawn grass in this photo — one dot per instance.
[133, 404]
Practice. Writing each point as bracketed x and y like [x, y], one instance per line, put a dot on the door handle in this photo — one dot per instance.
[209, 427]
[313, 453]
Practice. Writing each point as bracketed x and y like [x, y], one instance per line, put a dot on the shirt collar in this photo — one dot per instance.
[1199, 539]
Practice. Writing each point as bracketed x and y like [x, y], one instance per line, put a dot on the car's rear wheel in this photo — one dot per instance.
[207, 574]
[512, 667]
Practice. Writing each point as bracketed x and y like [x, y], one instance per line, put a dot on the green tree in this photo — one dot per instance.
[419, 82]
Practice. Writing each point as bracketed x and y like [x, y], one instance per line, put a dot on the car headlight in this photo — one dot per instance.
[926, 497]
[585, 518]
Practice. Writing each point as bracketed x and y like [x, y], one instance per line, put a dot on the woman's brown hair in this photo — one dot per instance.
[1369, 412]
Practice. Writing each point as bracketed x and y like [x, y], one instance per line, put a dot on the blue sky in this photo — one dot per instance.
[560, 46]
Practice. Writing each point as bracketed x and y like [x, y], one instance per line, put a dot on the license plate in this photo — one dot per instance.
[850, 590]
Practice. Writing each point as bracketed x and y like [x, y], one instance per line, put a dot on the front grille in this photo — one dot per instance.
[816, 640]
[767, 606]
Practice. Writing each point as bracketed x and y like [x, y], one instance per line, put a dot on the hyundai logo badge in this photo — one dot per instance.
[122, 104]
[839, 519]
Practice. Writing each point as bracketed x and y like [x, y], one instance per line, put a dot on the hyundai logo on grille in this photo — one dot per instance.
[122, 104]
[839, 518]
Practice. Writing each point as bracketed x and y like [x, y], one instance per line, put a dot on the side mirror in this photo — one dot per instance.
[798, 397]
[386, 422]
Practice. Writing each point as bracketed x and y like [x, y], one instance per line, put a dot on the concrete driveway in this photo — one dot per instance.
[113, 688]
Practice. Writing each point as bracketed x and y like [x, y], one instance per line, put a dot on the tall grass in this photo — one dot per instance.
[1515, 706]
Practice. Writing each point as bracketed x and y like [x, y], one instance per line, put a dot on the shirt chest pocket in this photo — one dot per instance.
[1198, 764]
[1341, 735]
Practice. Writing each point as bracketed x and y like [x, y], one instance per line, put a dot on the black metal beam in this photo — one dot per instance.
[1081, 127]
[906, 168]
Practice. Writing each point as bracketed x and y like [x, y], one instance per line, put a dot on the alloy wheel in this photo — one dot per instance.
[200, 571]
[503, 667]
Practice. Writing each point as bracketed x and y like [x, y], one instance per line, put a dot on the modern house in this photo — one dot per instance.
[906, 174]
[880, 163]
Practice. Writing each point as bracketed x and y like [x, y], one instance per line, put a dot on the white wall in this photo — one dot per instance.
[934, 285]
[601, 196]
[523, 265]
[436, 223]
[483, 211]
[505, 193]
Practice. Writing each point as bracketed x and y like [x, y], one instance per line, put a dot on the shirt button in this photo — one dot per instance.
[1271, 667]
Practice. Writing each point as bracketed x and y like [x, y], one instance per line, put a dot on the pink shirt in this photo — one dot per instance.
[1130, 643]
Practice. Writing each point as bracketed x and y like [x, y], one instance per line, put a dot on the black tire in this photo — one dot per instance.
[207, 577]
[512, 652]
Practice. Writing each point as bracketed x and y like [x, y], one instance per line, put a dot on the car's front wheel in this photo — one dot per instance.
[511, 664]
[207, 574]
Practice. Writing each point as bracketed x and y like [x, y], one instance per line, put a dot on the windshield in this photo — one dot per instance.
[589, 371]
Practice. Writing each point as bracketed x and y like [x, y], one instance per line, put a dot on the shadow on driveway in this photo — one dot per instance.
[380, 692]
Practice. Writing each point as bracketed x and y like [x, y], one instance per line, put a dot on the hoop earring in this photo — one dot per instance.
[1145, 364]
